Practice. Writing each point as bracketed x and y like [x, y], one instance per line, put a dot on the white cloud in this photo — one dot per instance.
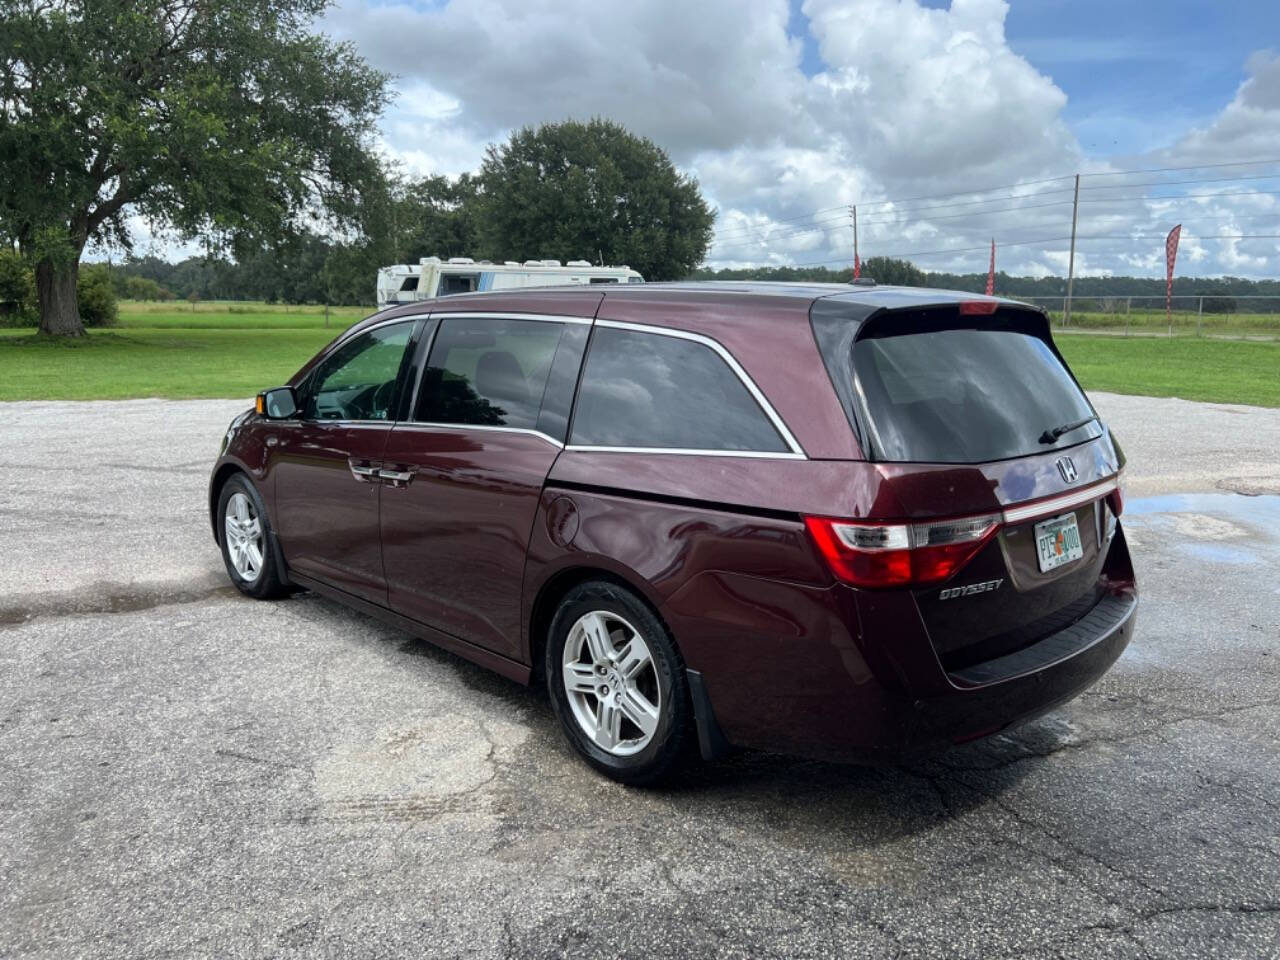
[911, 101]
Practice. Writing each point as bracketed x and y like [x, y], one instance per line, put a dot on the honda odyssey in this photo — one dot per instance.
[838, 521]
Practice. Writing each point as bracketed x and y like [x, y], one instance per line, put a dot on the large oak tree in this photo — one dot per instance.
[228, 120]
[591, 190]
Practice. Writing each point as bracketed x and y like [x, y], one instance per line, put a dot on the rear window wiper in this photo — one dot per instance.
[1051, 436]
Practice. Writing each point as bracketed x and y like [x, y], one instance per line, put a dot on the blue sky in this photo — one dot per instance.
[1136, 74]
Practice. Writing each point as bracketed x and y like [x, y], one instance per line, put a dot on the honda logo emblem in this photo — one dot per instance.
[1067, 469]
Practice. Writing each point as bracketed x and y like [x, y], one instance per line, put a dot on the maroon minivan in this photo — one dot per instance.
[841, 521]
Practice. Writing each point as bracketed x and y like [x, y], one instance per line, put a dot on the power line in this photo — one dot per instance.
[786, 219]
[962, 193]
[1103, 186]
[978, 213]
[1187, 196]
[737, 232]
[1174, 183]
[981, 213]
[1198, 166]
[784, 235]
[763, 231]
[1025, 243]
[1190, 236]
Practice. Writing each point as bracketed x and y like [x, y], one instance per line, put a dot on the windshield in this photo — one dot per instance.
[966, 396]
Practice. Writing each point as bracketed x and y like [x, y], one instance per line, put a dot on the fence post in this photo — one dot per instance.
[1199, 315]
[1128, 302]
[326, 313]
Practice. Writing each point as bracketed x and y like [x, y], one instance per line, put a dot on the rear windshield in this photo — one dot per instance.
[965, 396]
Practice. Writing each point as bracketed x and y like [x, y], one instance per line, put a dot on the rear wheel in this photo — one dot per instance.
[244, 534]
[617, 683]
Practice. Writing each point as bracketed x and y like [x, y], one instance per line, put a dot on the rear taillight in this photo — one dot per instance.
[1115, 499]
[900, 554]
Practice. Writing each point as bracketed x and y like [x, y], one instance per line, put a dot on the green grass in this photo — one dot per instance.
[226, 315]
[165, 362]
[236, 349]
[1223, 371]
[1184, 324]
[220, 349]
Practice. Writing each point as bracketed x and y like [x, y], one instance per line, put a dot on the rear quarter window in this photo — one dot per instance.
[657, 391]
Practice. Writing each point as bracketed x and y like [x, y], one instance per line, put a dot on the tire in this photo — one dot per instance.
[246, 540]
[606, 647]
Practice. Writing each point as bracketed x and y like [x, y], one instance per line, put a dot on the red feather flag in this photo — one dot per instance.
[991, 271]
[1170, 255]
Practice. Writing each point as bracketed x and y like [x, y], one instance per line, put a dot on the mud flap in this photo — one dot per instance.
[711, 741]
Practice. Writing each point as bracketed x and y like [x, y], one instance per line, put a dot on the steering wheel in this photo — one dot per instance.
[380, 402]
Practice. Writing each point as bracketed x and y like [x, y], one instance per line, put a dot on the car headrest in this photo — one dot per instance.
[499, 377]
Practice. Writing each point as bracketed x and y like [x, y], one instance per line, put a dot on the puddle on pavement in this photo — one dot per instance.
[1223, 528]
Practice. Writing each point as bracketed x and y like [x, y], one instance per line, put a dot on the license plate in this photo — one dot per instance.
[1058, 542]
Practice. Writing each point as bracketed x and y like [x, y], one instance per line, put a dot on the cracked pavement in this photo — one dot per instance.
[187, 772]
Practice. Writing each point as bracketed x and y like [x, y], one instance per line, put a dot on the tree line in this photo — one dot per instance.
[1107, 293]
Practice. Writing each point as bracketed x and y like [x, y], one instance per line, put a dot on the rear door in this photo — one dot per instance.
[462, 476]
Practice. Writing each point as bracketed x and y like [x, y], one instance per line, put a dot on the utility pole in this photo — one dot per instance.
[1071, 260]
[857, 267]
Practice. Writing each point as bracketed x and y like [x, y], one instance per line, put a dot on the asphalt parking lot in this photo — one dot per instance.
[184, 772]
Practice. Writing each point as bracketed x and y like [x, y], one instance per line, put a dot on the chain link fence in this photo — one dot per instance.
[1221, 317]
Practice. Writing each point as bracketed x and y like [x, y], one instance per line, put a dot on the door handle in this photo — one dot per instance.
[397, 478]
[364, 471]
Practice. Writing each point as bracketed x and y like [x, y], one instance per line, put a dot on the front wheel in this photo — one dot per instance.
[244, 534]
[617, 683]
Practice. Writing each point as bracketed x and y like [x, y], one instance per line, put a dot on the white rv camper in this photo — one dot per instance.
[433, 277]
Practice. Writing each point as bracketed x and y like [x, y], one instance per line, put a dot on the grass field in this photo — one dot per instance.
[218, 315]
[1223, 371]
[1140, 322]
[234, 350]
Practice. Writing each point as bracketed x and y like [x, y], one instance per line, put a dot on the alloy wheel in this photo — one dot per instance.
[244, 537]
[611, 683]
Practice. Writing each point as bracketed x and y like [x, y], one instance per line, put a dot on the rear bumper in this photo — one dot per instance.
[824, 690]
[995, 695]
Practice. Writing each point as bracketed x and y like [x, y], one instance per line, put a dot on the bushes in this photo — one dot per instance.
[97, 297]
[20, 306]
[17, 291]
[144, 288]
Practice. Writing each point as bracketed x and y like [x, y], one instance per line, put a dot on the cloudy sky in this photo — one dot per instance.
[946, 123]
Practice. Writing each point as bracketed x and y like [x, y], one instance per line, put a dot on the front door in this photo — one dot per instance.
[462, 479]
[326, 462]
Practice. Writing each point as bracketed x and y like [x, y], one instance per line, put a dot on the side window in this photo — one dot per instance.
[358, 380]
[410, 284]
[654, 391]
[458, 283]
[488, 372]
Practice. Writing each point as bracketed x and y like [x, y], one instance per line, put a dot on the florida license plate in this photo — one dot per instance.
[1058, 542]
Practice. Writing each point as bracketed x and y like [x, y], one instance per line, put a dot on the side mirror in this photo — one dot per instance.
[280, 403]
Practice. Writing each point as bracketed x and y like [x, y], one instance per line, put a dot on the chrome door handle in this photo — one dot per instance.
[364, 472]
[396, 476]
